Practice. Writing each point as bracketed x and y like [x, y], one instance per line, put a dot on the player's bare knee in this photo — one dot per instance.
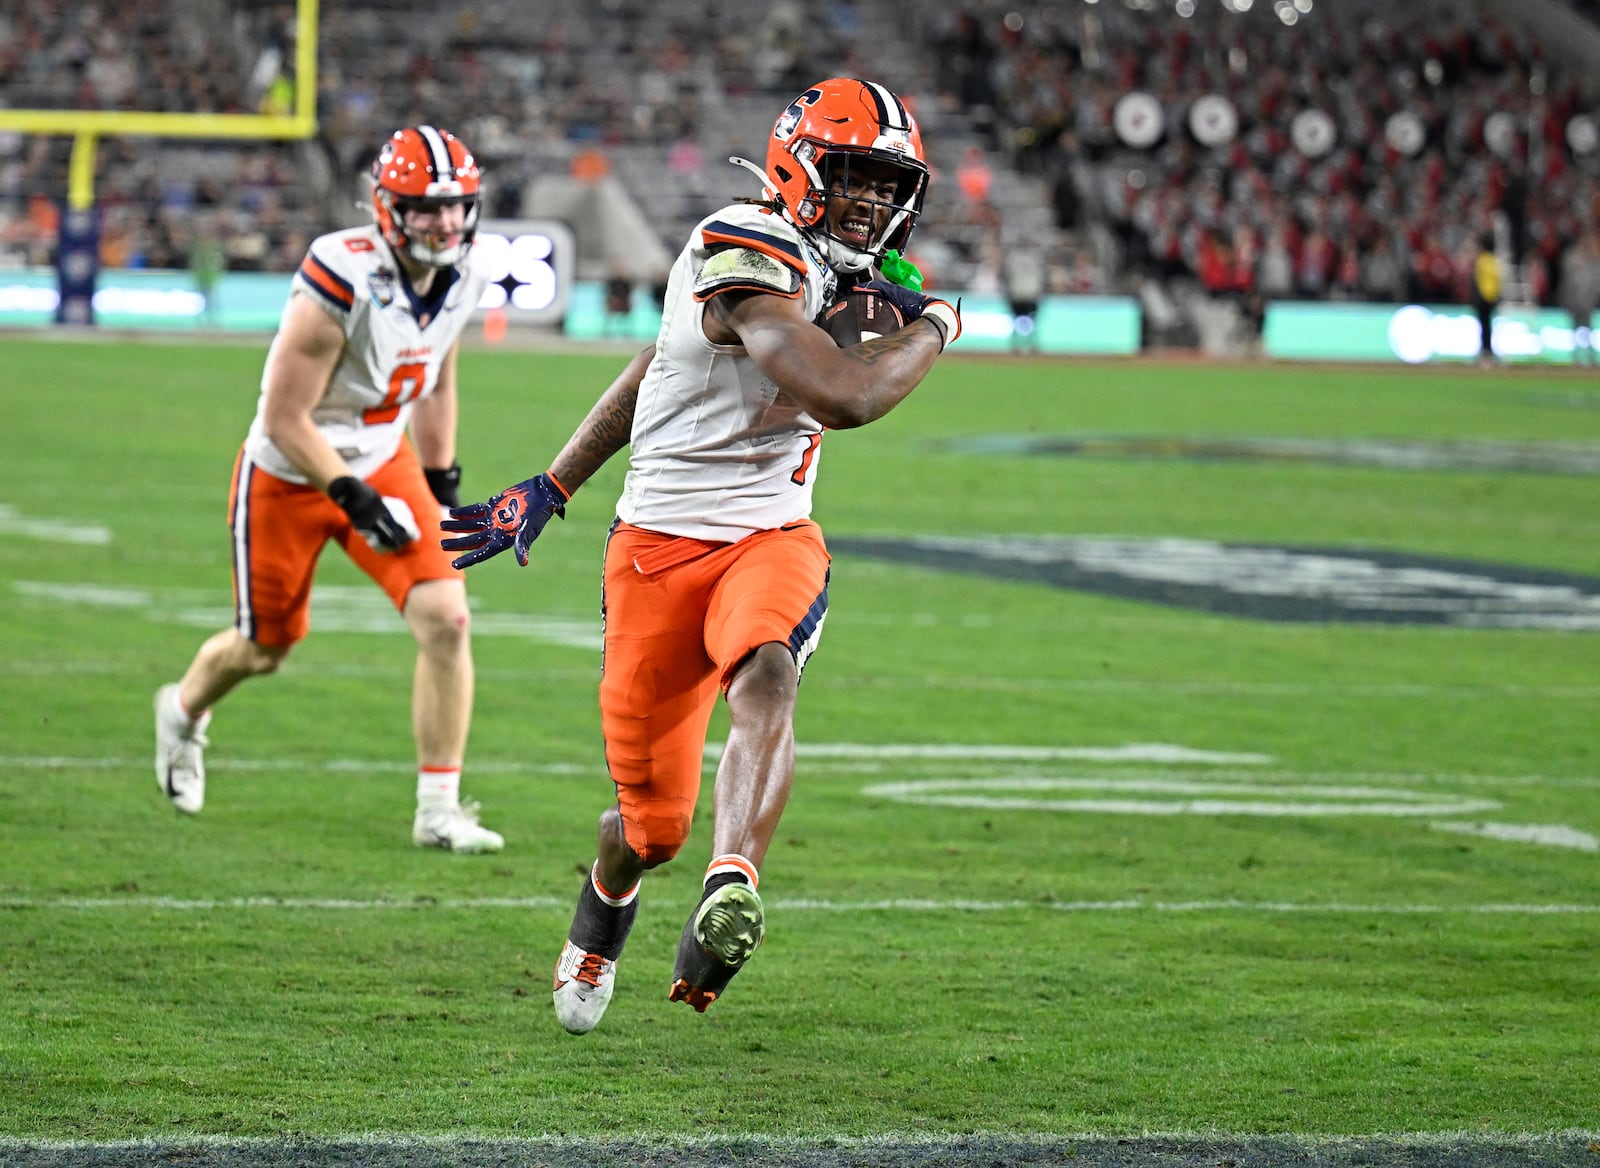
[450, 626]
[615, 850]
[263, 659]
[766, 680]
[440, 627]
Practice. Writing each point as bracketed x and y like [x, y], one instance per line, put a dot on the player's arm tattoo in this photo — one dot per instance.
[881, 349]
[610, 425]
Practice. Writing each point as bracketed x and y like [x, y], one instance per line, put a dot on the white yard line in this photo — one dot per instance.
[1196, 783]
[803, 904]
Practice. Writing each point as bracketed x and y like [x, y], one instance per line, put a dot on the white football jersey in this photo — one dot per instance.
[391, 359]
[716, 454]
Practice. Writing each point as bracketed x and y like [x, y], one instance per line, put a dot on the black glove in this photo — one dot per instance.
[445, 483]
[368, 514]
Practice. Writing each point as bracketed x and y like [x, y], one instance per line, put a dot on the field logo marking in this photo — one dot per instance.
[1265, 581]
[1552, 835]
[1472, 455]
[1203, 797]
[1279, 794]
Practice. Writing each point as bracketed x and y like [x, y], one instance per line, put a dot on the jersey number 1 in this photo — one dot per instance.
[799, 476]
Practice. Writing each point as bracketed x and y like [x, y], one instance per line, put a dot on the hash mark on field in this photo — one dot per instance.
[53, 530]
[342, 765]
[800, 904]
[334, 609]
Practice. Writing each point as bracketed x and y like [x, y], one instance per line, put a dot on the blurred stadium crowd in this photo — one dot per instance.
[1243, 149]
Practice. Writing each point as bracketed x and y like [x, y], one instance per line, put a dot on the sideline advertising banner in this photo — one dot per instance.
[1413, 333]
[535, 290]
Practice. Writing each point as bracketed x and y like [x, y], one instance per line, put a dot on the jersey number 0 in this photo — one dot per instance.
[405, 385]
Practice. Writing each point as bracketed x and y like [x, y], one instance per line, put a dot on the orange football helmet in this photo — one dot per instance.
[422, 167]
[811, 147]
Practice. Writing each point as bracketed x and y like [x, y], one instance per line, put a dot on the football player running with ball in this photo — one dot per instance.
[715, 577]
[366, 347]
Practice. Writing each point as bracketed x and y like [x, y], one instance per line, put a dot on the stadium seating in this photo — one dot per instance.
[1023, 96]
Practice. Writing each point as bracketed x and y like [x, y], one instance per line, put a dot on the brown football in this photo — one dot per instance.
[860, 316]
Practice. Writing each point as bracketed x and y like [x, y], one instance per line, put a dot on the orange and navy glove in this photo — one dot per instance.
[512, 519]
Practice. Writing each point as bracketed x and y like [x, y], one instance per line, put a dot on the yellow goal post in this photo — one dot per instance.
[87, 126]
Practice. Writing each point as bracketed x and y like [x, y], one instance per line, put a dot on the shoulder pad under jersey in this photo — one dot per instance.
[750, 252]
[335, 265]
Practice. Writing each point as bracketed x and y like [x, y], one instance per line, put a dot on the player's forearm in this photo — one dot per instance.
[433, 429]
[893, 366]
[846, 388]
[606, 430]
[304, 446]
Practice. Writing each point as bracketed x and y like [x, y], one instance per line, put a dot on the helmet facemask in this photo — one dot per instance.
[417, 244]
[846, 186]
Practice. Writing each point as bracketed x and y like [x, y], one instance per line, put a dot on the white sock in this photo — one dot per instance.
[438, 786]
[733, 862]
[186, 720]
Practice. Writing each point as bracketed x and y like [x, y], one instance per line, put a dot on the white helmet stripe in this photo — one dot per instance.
[891, 114]
[443, 170]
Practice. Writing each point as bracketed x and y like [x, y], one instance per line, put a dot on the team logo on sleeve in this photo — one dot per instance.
[381, 285]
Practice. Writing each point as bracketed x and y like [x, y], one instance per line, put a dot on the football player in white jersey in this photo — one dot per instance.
[366, 349]
[715, 576]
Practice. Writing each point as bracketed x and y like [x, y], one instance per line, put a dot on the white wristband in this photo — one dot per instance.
[946, 317]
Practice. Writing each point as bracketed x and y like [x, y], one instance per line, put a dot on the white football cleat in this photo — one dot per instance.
[180, 752]
[454, 828]
[583, 986]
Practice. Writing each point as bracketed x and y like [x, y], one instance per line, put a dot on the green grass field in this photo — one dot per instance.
[1357, 894]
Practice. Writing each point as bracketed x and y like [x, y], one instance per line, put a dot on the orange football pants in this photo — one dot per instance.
[681, 615]
[280, 528]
